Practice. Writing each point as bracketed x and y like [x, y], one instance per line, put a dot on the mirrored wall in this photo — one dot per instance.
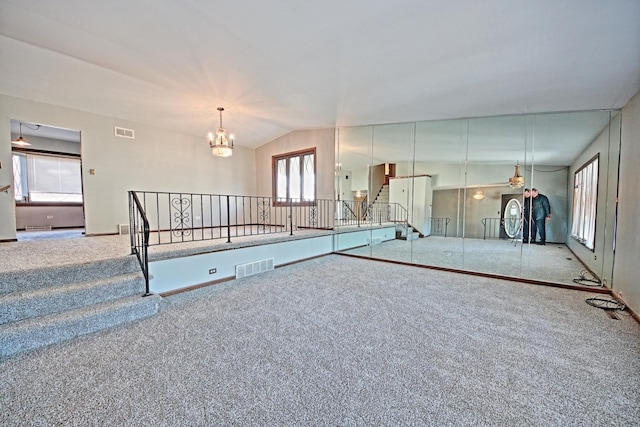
[451, 194]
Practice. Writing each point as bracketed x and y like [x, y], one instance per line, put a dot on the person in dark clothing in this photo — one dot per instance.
[526, 224]
[540, 213]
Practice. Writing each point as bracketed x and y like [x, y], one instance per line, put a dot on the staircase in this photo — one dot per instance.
[383, 196]
[48, 305]
[406, 232]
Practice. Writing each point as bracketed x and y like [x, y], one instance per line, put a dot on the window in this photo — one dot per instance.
[41, 178]
[294, 177]
[585, 197]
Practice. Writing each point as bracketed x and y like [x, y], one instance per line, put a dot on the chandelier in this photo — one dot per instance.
[220, 144]
[517, 180]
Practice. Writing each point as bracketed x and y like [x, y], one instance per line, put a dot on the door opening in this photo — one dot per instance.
[47, 181]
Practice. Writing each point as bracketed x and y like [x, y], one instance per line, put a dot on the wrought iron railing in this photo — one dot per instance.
[439, 226]
[362, 213]
[159, 218]
[187, 217]
[491, 228]
[139, 233]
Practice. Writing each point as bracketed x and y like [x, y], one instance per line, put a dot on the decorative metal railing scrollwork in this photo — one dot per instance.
[181, 216]
[263, 214]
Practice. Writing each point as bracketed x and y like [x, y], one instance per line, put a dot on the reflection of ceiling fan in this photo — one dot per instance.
[5, 189]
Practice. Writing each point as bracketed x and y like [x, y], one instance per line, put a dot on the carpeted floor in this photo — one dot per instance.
[550, 263]
[342, 341]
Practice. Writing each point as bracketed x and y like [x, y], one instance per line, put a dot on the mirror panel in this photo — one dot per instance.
[354, 156]
[460, 159]
[497, 147]
[391, 190]
[440, 151]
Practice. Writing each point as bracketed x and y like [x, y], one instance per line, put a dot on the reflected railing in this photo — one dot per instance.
[361, 213]
[491, 228]
[439, 226]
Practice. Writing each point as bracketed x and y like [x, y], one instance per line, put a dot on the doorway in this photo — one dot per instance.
[47, 181]
[503, 205]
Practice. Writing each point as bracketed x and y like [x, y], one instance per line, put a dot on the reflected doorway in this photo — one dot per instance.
[508, 219]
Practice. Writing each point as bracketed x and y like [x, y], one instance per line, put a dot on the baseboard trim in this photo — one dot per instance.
[491, 276]
[619, 298]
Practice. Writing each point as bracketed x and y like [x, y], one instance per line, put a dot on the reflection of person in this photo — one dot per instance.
[526, 225]
[540, 213]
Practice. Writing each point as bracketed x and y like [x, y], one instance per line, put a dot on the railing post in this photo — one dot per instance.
[145, 245]
[290, 217]
[132, 224]
[228, 221]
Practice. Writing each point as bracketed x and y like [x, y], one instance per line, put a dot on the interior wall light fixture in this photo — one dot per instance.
[221, 144]
[478, 195]
[20, 140]
[517, 181]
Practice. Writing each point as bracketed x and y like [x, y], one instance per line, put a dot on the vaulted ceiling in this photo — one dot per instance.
[283, 65]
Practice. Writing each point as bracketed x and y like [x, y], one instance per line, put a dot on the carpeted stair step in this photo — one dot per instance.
[55, 328]
[41, 277]
[18, 306]
[407, 233]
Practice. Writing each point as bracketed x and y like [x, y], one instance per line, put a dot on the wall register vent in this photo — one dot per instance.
[38, 227]
[256, 267]
[123, 228]
[124, 133]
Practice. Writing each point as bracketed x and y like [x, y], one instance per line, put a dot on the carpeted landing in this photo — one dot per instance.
[342, 341]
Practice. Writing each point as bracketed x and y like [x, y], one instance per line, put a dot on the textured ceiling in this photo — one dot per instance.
[284, 65]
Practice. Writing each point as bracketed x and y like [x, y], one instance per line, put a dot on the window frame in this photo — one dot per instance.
[274, 179]
[592, 203]
[46, 153]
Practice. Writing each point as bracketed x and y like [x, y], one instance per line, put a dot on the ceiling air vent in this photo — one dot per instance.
[124, 133]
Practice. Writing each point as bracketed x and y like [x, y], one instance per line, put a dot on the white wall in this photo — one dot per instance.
[415, 195]
[156, 160]
[360, 179]
[324, 142]
[606, 146]
[177, 273]
[625, 273]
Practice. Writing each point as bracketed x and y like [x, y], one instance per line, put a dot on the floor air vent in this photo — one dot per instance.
[251, 268]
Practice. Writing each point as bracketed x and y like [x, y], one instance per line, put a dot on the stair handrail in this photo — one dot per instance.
[139, 239]
[377, 177]
[347, 207]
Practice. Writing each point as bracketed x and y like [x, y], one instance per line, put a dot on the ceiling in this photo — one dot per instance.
[283, 65]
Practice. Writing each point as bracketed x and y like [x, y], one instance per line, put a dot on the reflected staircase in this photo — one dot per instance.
[404, 231]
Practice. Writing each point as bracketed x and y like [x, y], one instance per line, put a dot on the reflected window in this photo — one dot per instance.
[294, 177]
[41, 178]
[585, 197]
